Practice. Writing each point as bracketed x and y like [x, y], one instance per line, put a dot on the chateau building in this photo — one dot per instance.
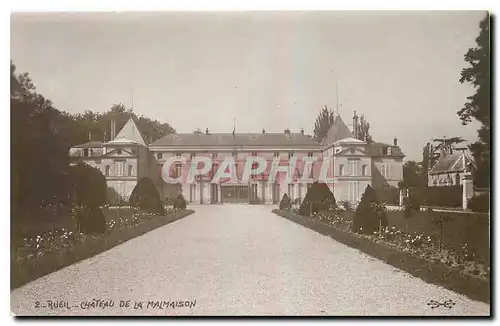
[350, 164]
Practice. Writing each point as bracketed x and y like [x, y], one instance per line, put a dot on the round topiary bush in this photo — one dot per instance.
[89, 185]
[369, 215]
[90, 219]
[319, 198]
[285, 203]
[479, 204]
[146, 197]
[180, 202]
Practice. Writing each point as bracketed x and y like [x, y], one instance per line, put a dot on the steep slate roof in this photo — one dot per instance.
[349, 140]
[377, 149]
[337, 131]
[129, 132]
[246, 139]
[451, 163]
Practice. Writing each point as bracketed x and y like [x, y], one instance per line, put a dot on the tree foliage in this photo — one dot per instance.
[478, 105]
[88, 185]
[323, 122]
[285, 202]
[41, 137]
[412, 174]
[364, 129]
[446, 145]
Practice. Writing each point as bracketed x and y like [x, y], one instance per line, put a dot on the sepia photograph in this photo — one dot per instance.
[314, 163]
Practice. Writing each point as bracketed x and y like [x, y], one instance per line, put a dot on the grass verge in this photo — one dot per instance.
[22, 272]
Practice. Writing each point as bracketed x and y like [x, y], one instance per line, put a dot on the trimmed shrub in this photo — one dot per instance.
[146, 197]
[449, 196]
[180, 202]
[369, 215]
[480, 204]
[319, 198]
[285, 202]
[388, 195]
[88, 185]
[91, 220]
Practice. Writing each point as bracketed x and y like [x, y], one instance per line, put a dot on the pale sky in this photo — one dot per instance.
[266, 70]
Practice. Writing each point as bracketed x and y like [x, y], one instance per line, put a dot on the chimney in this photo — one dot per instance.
[355, 125]
[395, 140]
[113, 129]
[263, 131]
[206, 131]
[302, 131]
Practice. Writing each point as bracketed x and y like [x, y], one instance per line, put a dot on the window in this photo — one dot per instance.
[178, 154]
[215, 167]
[353, 167]
[85, 152]
[290, 155]
[159, 156]
[389, 151]
[310, 154]
[234, 154]
[119, 151]
[364, 170]
[341, 169]
[192, 155]
[290, 191]
[386, 171]
[178, 170]
[130, 167]
[276, 154]
[107, 170]
[384, 151]
[214, 155]
[254, 154]
[118, 168]
[254, 165]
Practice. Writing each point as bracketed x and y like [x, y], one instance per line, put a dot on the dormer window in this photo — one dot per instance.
[159, 156]
[384, 150]
[389, 151]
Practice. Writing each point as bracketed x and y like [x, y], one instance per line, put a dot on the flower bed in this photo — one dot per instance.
[417, 254]
[53, 250]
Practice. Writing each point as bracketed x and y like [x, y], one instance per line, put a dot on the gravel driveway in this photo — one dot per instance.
[235, 260]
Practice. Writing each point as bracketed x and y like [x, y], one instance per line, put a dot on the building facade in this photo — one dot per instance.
[349, 164]
[450, 169]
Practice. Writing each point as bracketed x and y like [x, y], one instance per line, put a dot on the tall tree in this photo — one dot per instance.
[445, 145]
[478, 104]
[364, 129]
[323, 123]
[429, 158]
[412, 172]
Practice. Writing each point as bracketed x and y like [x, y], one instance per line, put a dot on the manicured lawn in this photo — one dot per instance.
[470, 228]
[64, 253]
